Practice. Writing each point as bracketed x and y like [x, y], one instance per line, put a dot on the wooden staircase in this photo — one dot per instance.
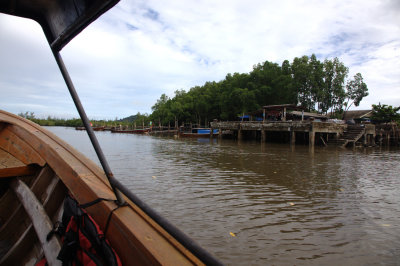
[352, 135]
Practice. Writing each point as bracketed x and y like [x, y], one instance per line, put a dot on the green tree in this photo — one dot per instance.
[356, 91]
[301, 78]
[316, 81]
[333, 94]
[306, 81]
[385, 113]
[27, 115]
[243, 100]
[160, 109]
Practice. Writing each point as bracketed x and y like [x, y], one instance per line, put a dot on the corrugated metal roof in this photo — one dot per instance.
[357, 114]
[308, 114]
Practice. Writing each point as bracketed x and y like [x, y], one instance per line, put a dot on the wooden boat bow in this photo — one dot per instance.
[137, 238]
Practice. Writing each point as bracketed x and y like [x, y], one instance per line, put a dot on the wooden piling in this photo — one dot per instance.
[263, 136]
[292, 137]
[365, 142]
[240, 134]
[312, 138]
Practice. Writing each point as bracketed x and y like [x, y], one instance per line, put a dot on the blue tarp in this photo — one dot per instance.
[203, 131]
[206, 131]
[248, 117]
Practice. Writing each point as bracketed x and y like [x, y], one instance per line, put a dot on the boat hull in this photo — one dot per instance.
[33, 159]
[134, 131]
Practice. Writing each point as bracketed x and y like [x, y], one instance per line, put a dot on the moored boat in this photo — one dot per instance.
[132, 131]
[102, 128]
[38, 170]
[199, 133]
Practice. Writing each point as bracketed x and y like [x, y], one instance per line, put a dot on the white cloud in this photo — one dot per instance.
[125, 60]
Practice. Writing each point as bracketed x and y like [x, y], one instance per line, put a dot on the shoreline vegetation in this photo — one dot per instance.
[319, 87]
[77, 122]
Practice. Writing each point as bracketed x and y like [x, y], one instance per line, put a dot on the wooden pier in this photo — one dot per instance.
[313, 132]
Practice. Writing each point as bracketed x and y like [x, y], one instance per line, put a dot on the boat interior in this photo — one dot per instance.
[37, 170]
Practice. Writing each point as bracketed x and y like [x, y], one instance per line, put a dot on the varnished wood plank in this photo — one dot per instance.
[19, 148]
[18, 171]
[40, 220]
[7, 160]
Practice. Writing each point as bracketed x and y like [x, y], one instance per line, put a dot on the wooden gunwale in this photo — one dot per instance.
[135, 236]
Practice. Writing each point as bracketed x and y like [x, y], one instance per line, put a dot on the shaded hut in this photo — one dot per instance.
[282, 112]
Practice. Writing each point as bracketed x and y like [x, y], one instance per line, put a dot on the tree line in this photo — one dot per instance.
[317, 86]
[382, 113]
[77, 122]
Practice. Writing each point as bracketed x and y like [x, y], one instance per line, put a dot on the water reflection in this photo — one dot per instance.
[285, 204]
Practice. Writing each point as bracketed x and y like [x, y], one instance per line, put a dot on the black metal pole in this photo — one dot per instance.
[87, 125]
[117, 187]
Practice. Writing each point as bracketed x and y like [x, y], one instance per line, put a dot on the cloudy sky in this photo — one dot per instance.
[125, 60]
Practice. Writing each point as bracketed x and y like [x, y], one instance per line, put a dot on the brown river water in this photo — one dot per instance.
[264, 204]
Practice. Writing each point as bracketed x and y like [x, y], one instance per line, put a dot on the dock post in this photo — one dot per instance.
[211, 133]
[312, 138]
[365, 139]
[388, 138]
[240, 134]
[219, 133]
[293, 137]
[284, 114]
[263, 136]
